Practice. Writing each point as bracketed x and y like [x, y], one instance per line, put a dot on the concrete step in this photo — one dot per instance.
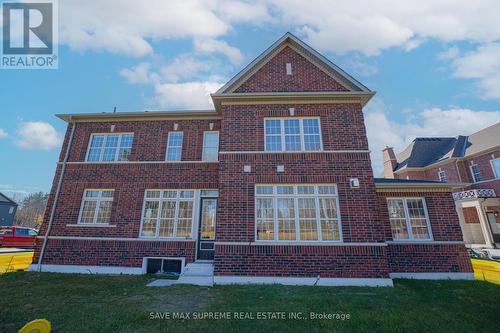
[199, 269]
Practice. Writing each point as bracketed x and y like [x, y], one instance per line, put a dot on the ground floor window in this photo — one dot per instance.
[409, 219]
[96, 206]
[168, 213]
[297, 213]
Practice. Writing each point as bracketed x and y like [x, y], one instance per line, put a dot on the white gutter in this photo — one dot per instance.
[56, 197]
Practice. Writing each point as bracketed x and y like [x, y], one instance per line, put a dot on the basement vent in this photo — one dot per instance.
[159, 265]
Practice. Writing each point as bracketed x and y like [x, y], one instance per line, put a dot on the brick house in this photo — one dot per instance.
[274, 185]
[474, 162]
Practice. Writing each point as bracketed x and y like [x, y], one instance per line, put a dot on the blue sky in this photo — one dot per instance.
[435, 67]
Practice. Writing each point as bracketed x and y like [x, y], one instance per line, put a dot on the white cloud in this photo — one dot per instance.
[137, 75]
[188, 95]
[129, 26]
[218, 46]
[371, 26]
[3, 133]
[451, 122]
[483, 65]
[38, 135]
[184, 67]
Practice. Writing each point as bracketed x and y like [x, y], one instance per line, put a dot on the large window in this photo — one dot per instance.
[210, 146]
[495, 164]
[96, 207]
[476, 173]
[409, 219]
[110, 147]
[174, 146]
[292, 134]
[297, 213]
[168, 213]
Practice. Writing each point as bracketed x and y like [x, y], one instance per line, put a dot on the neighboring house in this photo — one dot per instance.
[8, 208]
[474, 162]
[274, 185]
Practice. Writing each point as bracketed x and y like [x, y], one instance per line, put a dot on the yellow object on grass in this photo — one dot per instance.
[11, 262]
[37, 325]
[487, 270]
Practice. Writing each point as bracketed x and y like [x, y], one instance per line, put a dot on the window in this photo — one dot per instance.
[167, 213]
[476, 173]
[297, 213]
[174, 146]
[288, 68]
[409, 219]
[442, 176]
[495, 164]
[110, 147]
[210, 146]
[96, 207]
[292, 134]
[11, 210]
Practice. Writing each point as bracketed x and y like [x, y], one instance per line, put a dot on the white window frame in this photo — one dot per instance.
[168, 146]
[203, 157]
[275, 196]
[282, 129]
[194, 199]
[471, 167]
[98, 200]
[495, 174]
[101, 154]
[442, 176]
[407, 220]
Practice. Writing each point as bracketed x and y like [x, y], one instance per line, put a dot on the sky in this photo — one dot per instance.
[435, 67]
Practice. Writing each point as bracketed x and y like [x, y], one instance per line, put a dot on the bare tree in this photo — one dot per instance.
[31, 209]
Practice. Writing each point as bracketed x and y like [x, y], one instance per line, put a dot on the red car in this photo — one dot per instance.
[17, 236]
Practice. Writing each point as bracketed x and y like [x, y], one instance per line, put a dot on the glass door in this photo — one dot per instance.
[206, 232]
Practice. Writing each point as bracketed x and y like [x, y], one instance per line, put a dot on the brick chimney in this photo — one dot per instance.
[390, 162]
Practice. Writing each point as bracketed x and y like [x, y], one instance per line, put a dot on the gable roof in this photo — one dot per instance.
[6, 199]
[295, 43]
[424, 152]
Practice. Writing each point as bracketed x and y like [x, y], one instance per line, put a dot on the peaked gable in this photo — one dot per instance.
[305, 76]
[311, 72]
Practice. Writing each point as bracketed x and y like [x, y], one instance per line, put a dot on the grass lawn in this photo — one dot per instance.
[85, 303]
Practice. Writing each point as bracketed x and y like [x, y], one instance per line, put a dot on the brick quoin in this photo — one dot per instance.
[363, 211]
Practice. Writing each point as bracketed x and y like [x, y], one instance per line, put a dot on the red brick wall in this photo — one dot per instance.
[272, 76]
[129, 182]
[428, 258]
[302, 261]
[342, 125]
[443, 217]
[150, 138]
[358, 207]
[111, 252]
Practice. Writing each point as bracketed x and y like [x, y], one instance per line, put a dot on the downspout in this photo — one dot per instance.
[56, 196]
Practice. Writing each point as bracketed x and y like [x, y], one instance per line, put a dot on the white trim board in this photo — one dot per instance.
[303, 281]
[77, 269]
[433, 276]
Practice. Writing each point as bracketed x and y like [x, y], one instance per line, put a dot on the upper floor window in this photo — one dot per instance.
[167, 213]
[110, 147]
[297, 213]
[96, 206]
[292, 134]
[210, 146]
[495, 164]
[409, 219]
[442, 176]
[174, 146]
[476, 173]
